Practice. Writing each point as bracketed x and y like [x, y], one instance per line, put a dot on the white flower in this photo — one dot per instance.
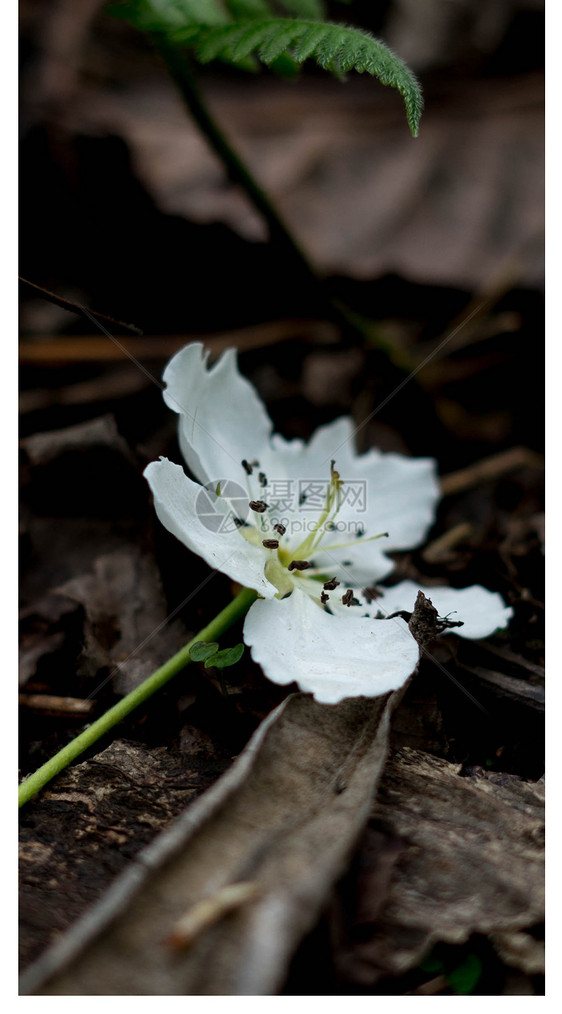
[305, 525]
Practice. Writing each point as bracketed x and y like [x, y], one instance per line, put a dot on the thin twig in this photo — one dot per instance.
[57, 707]
[72, 307]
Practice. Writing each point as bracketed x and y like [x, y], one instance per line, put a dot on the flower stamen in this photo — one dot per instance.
[372, 538]
[332, 504]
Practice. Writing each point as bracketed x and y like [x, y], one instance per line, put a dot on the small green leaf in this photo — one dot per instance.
[465, 976]
[226, 657]
[202, 650]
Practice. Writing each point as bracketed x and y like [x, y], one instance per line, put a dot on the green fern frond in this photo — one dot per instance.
[334, 47]
[239, 31]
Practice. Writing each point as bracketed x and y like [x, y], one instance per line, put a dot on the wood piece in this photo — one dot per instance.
[63, 707]
[114, 383]
[472, 862]
[440, 549]
[518, 664]
[89, 825]
[100, 349]
[286, 816]
[520, 691]
[43, 448]
[489, 469]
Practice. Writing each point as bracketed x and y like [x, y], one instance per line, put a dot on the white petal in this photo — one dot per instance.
[175, 501]
[222, 418]
[400, 497]
[481, 611]
[312, 460]
[332, 657]
[356, 565]
[381, 493]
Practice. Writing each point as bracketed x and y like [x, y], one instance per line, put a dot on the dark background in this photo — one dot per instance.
[124, 209]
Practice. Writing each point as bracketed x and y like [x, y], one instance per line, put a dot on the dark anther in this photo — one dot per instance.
[324, 598]
[302, 499]
[239, 523]
[331, 527]
[247, 468]
[347, 563]
[280, 529]
[330, 585]
[270, 543]
[263, 479]
[258, 506]
[255, 463]
[299, 565]
[359, 533]
[349, 599]
[371, 593]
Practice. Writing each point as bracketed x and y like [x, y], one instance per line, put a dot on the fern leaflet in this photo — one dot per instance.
[334, 47]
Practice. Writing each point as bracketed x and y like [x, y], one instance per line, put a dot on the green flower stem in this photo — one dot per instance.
[37, 781]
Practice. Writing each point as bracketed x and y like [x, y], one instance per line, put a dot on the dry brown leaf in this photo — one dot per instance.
[125, 612]
[286, 816]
